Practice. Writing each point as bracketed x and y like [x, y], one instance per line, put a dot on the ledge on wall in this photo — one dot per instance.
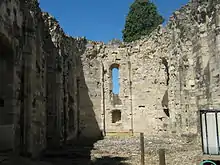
[121, 134]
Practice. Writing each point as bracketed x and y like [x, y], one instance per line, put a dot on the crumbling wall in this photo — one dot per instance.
[193, 64]
[78, 103]
[164, 78]
[90, 92]
[142, 102]
[21, 30]
[58, 88]
[150, 80]
[40, 99]
[116, 55]
[182, 103]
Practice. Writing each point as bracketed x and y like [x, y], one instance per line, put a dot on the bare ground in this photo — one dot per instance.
[116, 150]
[126, 150]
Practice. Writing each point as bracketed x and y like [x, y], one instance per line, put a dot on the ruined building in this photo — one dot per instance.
[54, 88]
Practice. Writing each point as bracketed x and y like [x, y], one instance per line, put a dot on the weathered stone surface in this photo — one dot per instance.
[43, 74]
[55, 87]
[164, 78]
[144, 81]
[127, 149]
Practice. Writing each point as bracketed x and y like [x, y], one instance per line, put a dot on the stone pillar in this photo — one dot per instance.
[215, 66]
[103, 115]
[65, 96]
[53, 101]
[28, 93]
[131, 98]
[173, 64]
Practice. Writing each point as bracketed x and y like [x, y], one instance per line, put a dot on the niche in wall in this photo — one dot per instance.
[116, 116]
[165, 104]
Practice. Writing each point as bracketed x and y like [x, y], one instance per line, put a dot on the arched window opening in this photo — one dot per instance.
[115, 79]
[116, 116]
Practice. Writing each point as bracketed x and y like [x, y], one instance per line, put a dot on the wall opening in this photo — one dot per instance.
[165, 97]
[167, 112]
[114, 85]
[165, 63]
[115, 79]
[165, 104]
[116, 116]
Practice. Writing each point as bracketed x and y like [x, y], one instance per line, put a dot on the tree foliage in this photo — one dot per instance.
[141, 20]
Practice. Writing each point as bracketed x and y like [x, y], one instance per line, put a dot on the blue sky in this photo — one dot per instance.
[100, 20]
[115, 78]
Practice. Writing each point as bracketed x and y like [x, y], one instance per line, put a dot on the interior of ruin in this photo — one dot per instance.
[55, 88]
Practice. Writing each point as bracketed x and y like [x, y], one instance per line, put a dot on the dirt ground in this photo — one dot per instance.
[126, 150]
[116, 150]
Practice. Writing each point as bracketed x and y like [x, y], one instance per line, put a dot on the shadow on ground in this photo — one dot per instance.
[106, 160]
[79, 154]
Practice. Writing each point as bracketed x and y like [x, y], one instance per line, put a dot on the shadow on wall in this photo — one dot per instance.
[6, 95]
[78, 150]
[88, 124]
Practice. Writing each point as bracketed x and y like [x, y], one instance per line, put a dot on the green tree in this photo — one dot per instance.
[141, 20]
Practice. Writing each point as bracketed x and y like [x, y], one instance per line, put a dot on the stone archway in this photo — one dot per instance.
[6, 95]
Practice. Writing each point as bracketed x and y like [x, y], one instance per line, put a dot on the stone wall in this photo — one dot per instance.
[165, 79]
[57, 88]
[193, 64]
[44, 87]
[144, 77]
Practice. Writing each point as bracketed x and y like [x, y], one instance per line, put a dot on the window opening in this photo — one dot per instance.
[115, 79]
[116, 116]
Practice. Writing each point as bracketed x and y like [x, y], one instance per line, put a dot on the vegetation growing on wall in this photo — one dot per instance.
[141, 20]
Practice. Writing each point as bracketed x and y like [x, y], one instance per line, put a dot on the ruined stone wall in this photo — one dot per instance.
[164, 78]
[182, 103]
[40, 98]
[150, 80]
[143, 77]
[193, 64]
[8, 98]
[79, 103]
[55, 87]
[24, 91]
[90, 92]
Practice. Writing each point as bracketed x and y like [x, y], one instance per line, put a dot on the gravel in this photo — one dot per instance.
[126, 150]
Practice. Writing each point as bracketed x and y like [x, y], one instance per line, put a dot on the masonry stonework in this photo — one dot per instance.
[144, 80]
[54, 88]
[166, 78]
[42, 79]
